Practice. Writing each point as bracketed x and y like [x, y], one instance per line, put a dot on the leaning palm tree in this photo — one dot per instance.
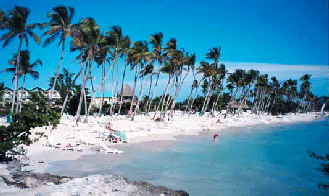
[137, 58]
[59, 27]
[148, 70]
[118, 47]
[86, 40]
[16, 26]
[26, 68]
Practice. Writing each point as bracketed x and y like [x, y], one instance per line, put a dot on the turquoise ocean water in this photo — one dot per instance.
[251, 161]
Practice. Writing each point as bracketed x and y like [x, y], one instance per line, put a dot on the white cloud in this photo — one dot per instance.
[283, 71]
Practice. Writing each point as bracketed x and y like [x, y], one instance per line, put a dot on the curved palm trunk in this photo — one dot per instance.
[94, 96]
[83, 85]
[16, 75]
[65, 102]
[152, 94]
[207, 99]
[20, 102]
[163, 96]
[103, 90]
[121, 91]
[177, 91]
[69, 91]
[193, 99]
[58, 68]
[140, 96]
[214, 105]
[133, 99]
[148, 95]
[189, 100]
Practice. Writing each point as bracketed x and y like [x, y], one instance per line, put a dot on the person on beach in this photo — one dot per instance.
[215, 136]
[108, 126]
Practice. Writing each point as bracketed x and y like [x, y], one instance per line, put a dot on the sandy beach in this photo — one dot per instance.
[69, 142]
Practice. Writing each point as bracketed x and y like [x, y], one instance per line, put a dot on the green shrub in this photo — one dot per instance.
[36, 114]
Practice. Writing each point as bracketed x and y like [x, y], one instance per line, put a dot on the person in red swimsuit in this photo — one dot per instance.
[215, 136]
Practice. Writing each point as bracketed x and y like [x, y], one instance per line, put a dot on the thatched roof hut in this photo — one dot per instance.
[126, 92]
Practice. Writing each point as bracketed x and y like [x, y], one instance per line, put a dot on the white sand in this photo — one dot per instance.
[69, 142]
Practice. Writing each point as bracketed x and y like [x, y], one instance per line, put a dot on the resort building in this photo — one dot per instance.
[106, 100]
[24, 94]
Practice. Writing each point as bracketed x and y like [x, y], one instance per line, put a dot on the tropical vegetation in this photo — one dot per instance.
[111, 56]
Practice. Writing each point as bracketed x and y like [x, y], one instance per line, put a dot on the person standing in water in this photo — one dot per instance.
[215, 136]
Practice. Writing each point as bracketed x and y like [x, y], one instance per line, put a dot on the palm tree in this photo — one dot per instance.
[305, 91]
[26, 68]
[138, 57]
[65, 85]
[100, 59]
[157, 56]
[156, 42]
[59, 27]
[214, 54]
[118, 47]
[86, 40]
[148, 70]
[16, 25]
[208, 72]
[184, 65]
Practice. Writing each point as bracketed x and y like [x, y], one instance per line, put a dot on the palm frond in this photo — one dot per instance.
[50, 39]
[8, 40]
[34, 36]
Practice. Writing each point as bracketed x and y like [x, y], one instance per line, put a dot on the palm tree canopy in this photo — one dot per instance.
[17, 26]
[148, 69]
[86, 39]
[59, 25]
[25, 67]
[138, 54]
[214, 54]
[118, 43]
[156, 42]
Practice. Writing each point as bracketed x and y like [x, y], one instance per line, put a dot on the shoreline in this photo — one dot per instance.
[45, 151]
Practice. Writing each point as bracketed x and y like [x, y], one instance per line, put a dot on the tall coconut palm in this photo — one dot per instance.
[100, 59]
[184, 65]
[305, 91]
[208, 71]
[156, 41]
[148, 70]
[118, 47]
[168, 69]
[16, 26]
[59, 27]
[138, 56]
[26, 68]
[86, 40]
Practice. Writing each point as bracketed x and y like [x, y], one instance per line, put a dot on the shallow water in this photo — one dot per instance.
[264, 160]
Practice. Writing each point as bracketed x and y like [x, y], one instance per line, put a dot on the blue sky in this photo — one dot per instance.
[293, 32]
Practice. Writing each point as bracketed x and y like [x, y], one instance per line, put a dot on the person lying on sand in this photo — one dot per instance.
[108, 126]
